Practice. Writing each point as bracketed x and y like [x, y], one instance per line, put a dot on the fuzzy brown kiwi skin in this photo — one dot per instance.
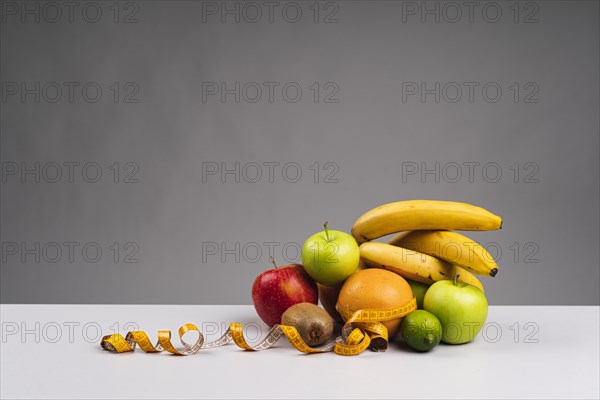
[313, 323]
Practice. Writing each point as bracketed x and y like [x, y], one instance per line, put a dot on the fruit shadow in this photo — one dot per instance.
[403, 347]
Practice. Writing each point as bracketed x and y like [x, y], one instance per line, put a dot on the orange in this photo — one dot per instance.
[375, 288]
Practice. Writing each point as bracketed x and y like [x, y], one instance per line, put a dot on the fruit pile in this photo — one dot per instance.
[421, 284]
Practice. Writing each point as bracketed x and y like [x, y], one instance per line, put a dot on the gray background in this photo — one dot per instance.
[369, 133]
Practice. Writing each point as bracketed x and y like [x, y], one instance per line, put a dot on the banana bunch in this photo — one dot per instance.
[412, 215]
[426, 249]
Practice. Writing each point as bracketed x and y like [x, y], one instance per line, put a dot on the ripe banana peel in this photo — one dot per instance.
[413, 264]
[451, 247]
[413, 215]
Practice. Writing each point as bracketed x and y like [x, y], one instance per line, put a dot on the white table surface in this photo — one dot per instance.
[47, 353]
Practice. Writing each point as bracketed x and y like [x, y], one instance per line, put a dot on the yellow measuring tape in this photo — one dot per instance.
[363, 329]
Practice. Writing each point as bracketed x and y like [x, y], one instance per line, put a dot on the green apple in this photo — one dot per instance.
[330, 256]
[461, 308]
[419, 289]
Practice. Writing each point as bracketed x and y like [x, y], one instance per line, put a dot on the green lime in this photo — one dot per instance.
[419, 289]
[421, 330]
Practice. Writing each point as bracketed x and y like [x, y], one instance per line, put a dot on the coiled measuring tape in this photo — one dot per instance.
[363, 329]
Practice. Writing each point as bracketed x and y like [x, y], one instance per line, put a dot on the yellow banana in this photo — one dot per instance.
[412, 264]
[413, 215]
[451, 247]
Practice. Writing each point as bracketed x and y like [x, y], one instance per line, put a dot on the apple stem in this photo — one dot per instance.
[273, 262]
[456, 279]
[326, 231]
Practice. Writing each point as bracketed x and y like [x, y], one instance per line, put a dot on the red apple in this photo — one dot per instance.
[276, 290]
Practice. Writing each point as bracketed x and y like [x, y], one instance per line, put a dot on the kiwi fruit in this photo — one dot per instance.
[313, 323]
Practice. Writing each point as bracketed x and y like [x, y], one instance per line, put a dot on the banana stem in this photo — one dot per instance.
[326, 231]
